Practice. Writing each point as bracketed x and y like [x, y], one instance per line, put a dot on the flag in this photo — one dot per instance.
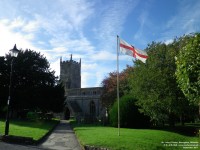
[130, 50]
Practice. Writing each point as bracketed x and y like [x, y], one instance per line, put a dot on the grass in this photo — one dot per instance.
[129, 139]
[34, 129]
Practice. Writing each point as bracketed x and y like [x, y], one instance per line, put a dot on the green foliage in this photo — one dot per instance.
[188, 69]
[154, 83]
[163, 85]
[129, 114]
[109, 85]
[4, 78]
[32, 116]
[34, 85]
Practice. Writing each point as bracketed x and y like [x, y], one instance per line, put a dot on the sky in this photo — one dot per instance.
[88, 29]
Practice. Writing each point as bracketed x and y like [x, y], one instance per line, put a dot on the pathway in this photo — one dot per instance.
[62, 138]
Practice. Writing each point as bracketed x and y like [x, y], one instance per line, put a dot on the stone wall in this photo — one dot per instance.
[70, 73]
[86, 98]
[81, 102]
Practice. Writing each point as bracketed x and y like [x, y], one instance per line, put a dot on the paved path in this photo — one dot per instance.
[62, 138]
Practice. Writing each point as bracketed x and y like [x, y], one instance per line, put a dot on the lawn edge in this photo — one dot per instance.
[86, 147]
[42, 139]
[26, 140]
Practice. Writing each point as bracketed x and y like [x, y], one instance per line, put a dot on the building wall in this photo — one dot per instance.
[84, 97]
[82, 102]
[70, 73]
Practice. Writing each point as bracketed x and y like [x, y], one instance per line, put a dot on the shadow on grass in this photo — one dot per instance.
[187, 130]
[42, 124]
[191, 129]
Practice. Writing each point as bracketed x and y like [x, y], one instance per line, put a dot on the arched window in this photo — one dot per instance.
[92, 108]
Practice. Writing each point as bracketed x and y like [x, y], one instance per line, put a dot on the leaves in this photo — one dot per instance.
[154, 83]
[34, 85]
[188, 69]
[162, 86]
[109, 84]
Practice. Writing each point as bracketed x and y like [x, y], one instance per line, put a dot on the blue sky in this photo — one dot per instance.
[88, 28]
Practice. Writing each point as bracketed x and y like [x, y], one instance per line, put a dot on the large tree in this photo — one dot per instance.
[34, 84]
[130, 117]
[109, 84]
[188, 69]
[4, 78]
[154, 83]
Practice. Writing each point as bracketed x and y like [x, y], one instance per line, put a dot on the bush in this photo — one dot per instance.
[130, 117]
[32, 116]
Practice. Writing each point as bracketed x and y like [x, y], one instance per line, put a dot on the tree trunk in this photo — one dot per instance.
[171, 120]
[182, 120]
[199, 110]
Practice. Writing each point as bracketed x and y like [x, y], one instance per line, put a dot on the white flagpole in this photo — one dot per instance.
[118, 85]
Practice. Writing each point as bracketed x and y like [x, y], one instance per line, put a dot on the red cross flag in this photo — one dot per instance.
[130, 50]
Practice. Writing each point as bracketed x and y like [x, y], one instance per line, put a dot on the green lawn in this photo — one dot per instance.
[132, 139]
[34, 129]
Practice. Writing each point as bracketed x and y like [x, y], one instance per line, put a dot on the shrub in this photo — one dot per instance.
[32, 116]
[130, 117]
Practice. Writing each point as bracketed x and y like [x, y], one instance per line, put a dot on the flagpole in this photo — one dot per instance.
[118, 85]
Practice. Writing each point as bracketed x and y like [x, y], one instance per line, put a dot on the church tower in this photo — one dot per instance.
[70, 73]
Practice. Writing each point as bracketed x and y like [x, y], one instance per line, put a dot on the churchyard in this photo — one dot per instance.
[92, 135]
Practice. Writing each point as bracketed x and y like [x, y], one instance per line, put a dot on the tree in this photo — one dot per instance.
[148, 83]
[109, 84]
[4, 78]
[35, 86]
[130, 117]
[154, 83]
[188, 69]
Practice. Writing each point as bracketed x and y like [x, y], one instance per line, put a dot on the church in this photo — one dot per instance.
[83, 104]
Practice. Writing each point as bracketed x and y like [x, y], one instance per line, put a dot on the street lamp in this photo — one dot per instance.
[14, 52]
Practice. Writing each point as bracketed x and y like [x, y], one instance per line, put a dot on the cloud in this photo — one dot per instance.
[86, 67]
[55, 33]
[80, 44]
[95, 77]
[169, 41]
[104, 55]
[142, 20]
[56, 67]
[113, 19]
[145, 27]
[186, 20]
[85, 78]
[8, 38]
[58, 28]
[16, 23]
[31, 26]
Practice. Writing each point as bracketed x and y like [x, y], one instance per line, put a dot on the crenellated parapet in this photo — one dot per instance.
[73, 62]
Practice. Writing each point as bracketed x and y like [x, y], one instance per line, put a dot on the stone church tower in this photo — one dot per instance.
[81, 103]
[70, 73]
